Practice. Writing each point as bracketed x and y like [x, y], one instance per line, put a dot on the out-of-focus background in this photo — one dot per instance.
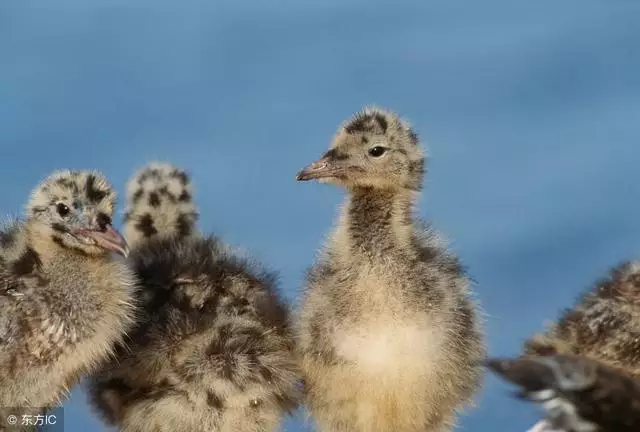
[530, 112]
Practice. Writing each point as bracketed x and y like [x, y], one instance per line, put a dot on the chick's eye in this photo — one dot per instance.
[62, 209]
[377, 151]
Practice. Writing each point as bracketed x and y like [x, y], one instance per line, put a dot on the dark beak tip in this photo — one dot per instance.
[302, 175]
[498, 365]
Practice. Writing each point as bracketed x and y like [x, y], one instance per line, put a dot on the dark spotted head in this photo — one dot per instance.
[75, 208]
[159, 204]
[376, 148]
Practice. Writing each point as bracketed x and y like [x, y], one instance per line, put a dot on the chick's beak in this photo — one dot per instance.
[109, 239]
[323, 168]
[527, 373]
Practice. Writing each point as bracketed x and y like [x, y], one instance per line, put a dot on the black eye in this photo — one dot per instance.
[377, 151]
[62, 209]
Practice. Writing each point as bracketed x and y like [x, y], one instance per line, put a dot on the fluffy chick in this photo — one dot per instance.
[64, 301]
[603, 325]
[389, 337]
[214, 351]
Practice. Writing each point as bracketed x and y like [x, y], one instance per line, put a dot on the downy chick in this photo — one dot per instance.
[388, 335]
[214, 351]
[64, 301]
[603, 325]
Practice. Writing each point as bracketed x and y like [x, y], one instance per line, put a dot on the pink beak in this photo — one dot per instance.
[320, 169]
[109, 239]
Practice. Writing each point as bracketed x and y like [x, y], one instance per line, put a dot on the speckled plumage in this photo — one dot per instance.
[64, 301]
[577, 393]
[159, 204]
[214, 351]
[388, 335]
[603, 325]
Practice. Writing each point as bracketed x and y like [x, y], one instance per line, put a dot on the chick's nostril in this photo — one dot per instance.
[103, 221]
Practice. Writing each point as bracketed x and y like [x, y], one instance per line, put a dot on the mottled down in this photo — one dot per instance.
[389, 336]
[213, 350]
[65, 302]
